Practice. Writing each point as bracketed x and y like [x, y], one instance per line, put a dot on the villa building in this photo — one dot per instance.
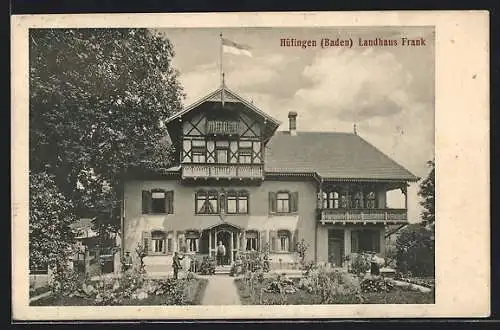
[240, 181]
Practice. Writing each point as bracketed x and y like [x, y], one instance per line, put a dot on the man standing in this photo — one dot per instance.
[176, 264]
[221, 253]
[126, 261]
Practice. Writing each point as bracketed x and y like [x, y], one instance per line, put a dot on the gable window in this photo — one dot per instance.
[251, 241]
[157, 201]
[206, 202]
[283, 202]
[222, 151]
[245, 156]
[199, 151]
[237, 202]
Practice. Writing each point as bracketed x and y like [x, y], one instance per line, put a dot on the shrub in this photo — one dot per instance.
[359, 263]
[376, 284]
[207, 266]
[415, 251]
[65, 282]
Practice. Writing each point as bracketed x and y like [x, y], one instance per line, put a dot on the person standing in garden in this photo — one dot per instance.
[221, 253]
[176, 264]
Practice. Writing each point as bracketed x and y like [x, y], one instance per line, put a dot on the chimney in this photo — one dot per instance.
[292, 122]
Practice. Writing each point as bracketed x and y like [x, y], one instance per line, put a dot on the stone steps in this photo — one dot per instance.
[222, 270]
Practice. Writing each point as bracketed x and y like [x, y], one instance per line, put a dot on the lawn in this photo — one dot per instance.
[302, 297]
[193, 296]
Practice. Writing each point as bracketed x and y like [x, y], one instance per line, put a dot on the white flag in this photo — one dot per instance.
[232, 47]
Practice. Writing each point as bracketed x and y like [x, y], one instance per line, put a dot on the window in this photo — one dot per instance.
[331, 200]
[206, 202]
[283, 202]
[199, 151]
[284, 240]
[158, 241]
[251, 241]
[245, 156]
[367, 240]
[157, 201]
[370, 200]
[222, 148]
[192, 241]
[237, 202]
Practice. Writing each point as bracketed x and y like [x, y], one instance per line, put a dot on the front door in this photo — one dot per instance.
[224, 238]
[335, 247]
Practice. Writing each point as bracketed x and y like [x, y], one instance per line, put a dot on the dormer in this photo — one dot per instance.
[221, 136]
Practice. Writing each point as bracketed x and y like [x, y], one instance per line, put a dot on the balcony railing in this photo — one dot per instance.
[224, 127]
[362, 215]
[222, 171]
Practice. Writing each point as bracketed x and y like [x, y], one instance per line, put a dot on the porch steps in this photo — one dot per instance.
[222, 270]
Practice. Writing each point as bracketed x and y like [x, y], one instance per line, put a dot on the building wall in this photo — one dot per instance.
[184, 208]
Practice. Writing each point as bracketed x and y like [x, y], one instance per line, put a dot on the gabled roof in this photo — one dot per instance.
[331, 156]
[229, 96]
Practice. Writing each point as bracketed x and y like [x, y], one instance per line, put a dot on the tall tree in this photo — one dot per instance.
[50, 236]
[427, 193]
[98, 98]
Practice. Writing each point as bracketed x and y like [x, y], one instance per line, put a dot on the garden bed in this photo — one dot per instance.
[250, 296]
[193, 294]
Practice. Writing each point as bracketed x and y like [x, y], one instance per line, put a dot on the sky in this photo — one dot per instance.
[388, 92]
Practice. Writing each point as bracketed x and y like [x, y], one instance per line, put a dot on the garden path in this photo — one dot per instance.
[221, 290]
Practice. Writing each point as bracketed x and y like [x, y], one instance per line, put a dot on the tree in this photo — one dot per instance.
[50, 235]
[415, 251]
[98, 100]
[427, 192]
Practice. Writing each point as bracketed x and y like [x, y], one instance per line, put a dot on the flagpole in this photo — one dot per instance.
[221, 72]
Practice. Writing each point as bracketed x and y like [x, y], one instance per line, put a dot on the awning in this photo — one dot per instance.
[241, 222]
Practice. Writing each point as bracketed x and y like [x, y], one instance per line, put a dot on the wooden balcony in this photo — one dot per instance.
[223, 127]
[363, 216]
[223, 171]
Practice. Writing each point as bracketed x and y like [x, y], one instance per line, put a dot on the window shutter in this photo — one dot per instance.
[272, 237]
[263, 240]
[295, 240]
[146, 241]
[272, 202]
[294, 202]
[146, 201]
[169, 202]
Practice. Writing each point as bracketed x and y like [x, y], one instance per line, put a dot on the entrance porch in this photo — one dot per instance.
[227, 235]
